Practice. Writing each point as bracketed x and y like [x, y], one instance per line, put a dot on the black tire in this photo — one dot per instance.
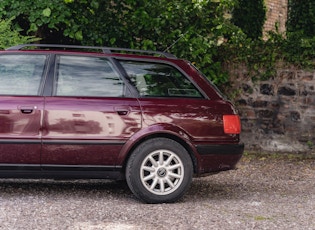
[159, 171]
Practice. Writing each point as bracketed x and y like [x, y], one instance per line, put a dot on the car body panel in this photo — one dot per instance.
[87, 131]
[201, 118]
[20, 129]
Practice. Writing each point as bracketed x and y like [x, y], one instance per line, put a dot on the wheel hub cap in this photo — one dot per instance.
[162, 172]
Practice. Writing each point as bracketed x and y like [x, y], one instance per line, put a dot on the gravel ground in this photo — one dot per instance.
[266, 192]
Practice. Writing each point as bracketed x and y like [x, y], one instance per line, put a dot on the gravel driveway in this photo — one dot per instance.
[266, 192]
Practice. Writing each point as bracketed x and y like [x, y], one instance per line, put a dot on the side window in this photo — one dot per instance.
[87, 76]
[159, 80]
[21, 74]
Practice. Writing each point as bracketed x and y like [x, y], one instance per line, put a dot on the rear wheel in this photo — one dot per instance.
[159, 171]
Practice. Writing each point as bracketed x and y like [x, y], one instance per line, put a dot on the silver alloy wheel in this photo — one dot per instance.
[162, 172]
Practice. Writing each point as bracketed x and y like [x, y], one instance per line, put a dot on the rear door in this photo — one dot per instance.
[89, 117]
[21, 108]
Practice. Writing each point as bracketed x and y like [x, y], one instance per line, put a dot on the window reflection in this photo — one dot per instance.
[159, 80]
[87, 76]
[21, 74]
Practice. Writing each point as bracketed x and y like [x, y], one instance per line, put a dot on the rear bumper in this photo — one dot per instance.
[216, 158]
[220, 149]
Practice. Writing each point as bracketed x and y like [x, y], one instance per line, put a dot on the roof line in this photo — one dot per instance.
[104, 49]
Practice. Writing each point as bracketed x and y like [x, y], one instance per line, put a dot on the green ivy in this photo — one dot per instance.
[10, 37]
[263, 57]
[301, 17]
[250, 16]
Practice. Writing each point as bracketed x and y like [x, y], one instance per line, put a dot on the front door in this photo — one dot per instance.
[21, 108]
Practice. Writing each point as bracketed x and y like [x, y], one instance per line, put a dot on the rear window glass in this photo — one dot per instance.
[159, 80]
[21, 74]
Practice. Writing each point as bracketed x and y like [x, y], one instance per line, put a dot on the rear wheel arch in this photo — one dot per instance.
[179, 140]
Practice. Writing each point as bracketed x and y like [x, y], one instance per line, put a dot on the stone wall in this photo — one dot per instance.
[278, 114]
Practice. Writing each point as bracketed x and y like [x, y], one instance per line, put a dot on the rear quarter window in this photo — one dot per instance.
[159, 80]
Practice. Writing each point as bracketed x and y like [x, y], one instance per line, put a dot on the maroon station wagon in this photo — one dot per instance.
[143, 116]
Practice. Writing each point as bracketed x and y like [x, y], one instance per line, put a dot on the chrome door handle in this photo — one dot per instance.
[27, 109]
[122, 111]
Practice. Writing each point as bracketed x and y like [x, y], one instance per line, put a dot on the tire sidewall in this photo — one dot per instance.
[134, 165]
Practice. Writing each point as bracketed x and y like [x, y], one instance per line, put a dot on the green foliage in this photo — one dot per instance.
[45, 19]
[198, 30]
[10, 37]
[263, 57]
[250, 16]
[299, 50]
[299, 47]
[301, 17]
[191, 29]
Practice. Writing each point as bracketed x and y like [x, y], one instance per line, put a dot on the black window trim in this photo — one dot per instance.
[132, 89]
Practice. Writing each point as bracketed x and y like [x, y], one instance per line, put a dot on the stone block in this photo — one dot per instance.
[265, 114]
[295, 116]
[248, 125]
[247, 88]
[257, 104]
[247, 113]
[286, 91]
[287, 74]
[279, 130]
[305, 76]
[241, 102]
[267, 89]
[275, 104]
[307, 89]
[266, 126]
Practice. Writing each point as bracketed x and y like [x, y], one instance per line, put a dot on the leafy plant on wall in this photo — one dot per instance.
[250, 16]
[301, 17]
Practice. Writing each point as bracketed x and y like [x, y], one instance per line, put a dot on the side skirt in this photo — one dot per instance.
[61, 172]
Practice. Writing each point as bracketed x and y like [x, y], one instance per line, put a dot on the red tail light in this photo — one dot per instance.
[231, 124]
